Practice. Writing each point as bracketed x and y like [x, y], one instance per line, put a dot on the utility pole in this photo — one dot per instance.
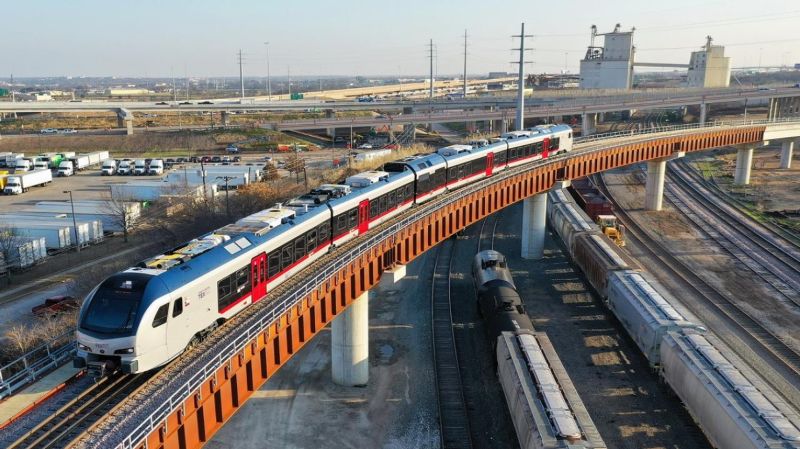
[520, 125]
[465, 64]
[430, 95]
[174, 89]
[241, 73]
[269, 81]
[227, 205]
[75, 223]
[289, 76]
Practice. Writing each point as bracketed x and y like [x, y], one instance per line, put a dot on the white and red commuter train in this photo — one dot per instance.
[143, 317]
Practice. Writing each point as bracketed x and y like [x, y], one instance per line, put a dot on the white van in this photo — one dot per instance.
[139, 167]
[124, 168]
[156, 167]
[65, 168]
[109, 167]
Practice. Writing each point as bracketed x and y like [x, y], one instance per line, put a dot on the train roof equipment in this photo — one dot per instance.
[546, 410]
[452, 150]
[644, 312]
[731, 410]
[367, 178]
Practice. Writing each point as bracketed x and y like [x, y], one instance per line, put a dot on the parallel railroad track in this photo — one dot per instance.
[69, 423]
[453, 417]
[771, 257]
[760, 340]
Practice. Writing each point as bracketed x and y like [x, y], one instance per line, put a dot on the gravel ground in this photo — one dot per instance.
[629, 404]
[300, 407]
[715, 265]
[27, 422]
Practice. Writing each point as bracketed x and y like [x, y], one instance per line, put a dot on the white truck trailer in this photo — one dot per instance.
[20, 183]
[80, 162]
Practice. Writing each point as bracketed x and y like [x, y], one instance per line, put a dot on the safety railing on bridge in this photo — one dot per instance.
[186, 381]
[29, 367]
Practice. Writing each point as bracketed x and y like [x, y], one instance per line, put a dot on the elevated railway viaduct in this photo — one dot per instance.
[188, 401]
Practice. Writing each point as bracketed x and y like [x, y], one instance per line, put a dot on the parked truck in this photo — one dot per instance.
[7, 159]
[41, 163]
[20, 183]
[108, 168]
[139, 167]
[96, 157]
[125, 168]
[156, 167]
[3, 177]
[66, 169]
[22, 165]
[53, 160]
[80, 162]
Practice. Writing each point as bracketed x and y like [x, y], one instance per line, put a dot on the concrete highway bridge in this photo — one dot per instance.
[189, 400]
[782, 102]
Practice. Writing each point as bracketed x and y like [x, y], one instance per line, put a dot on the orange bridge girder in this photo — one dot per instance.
[190, 416]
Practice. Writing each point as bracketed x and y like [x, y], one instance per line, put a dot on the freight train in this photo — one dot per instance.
[143, 317]
[545, 408]
[732, 410]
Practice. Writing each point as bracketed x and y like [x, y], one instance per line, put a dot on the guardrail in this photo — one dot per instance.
[189, 379]
[35, 363]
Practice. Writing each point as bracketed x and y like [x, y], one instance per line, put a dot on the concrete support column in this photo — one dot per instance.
[534, 217]
[744, 162]
[588, 124]
[654, 187]
[787, 148]
[350, 344]
[224, 118]
[703, 112]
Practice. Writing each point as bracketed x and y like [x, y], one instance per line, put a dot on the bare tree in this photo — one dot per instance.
[120, 210]
[21, 338]
[10, 242]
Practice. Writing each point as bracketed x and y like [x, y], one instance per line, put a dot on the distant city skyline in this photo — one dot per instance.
[354, 37]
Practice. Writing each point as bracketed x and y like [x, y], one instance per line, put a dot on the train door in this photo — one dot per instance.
[363, 217]
[545, 147]
[489, 163]
[258, 277]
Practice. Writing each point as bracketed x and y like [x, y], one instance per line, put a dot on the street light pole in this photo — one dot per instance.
[227, 204]
[74, 222]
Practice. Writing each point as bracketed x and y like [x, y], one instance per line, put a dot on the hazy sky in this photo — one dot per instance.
[354, 37]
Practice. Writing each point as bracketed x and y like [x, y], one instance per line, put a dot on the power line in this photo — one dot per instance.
[520, 125]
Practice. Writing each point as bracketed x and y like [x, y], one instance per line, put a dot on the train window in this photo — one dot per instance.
[340, 224]
[242, 278]
[177, 307]
[287, 255]
[311, 240]
[262, 271]
[224, 288]
[384, 205]
[299, 247]
[353, 218]
[373, 209]
[538, 146]
[274, 263]
[554, 143]
[161, 315]
[324, 232]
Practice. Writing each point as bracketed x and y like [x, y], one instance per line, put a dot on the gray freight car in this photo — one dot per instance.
[644, 313]
[545, 407]
[569, 221]
[731, 410]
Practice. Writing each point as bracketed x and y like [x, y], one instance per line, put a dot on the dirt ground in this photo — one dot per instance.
[713, 263]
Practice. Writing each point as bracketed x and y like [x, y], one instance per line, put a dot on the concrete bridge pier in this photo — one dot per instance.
[350, 344]
[588, 123]
[744, 163]
[654, 187]
[125, 120]
[534, 217]
[703, 113]
[787, 148]
[224, 116]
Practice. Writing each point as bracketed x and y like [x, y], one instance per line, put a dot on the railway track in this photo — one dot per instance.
[759, 340]
[69, 423]
[771, 257]
[453, 417]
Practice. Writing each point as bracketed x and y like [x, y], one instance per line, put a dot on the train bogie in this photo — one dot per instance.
[644, 313]
[732, 411]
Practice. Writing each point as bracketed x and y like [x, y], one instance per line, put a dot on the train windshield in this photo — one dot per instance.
[114, 307]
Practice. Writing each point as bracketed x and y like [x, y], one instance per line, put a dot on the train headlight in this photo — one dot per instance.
[83, 347]
[124, 351]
